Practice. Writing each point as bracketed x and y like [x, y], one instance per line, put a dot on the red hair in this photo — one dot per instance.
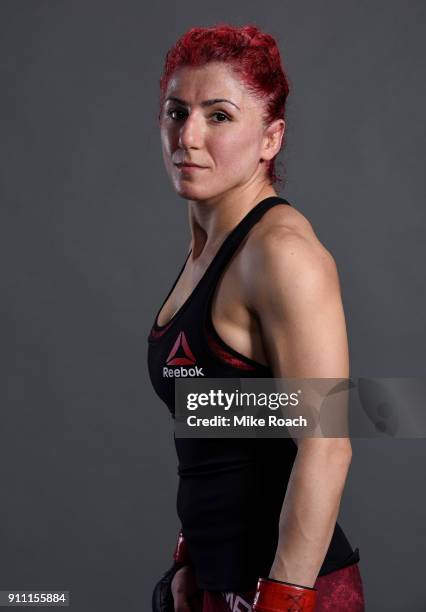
[253, 55]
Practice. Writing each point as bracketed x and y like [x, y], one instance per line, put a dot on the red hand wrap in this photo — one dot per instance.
[275, 596]
[181, 554]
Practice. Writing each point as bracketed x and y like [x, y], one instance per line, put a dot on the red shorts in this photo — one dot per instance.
[339, 591]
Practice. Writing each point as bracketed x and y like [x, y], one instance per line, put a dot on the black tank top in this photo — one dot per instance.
[230, 491]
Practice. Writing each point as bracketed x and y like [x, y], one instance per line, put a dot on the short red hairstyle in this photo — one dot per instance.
[252, 54]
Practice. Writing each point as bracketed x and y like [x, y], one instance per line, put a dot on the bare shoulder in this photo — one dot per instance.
[283, 250]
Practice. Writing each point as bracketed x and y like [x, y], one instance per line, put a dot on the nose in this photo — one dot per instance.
[191, 132]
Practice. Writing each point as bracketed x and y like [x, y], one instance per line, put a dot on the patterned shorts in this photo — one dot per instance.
[340, 590]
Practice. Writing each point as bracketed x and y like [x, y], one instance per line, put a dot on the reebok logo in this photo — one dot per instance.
[181, 355]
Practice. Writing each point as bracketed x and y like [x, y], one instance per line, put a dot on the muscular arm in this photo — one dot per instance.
[296, 296]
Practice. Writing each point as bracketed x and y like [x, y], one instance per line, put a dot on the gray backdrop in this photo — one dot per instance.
[93, 236]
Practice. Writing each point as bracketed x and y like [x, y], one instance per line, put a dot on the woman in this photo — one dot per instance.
[258, 296]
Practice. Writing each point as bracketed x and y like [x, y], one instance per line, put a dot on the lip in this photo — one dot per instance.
[189, 167]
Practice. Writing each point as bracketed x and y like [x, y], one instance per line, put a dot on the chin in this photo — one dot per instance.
[191, 191]
[200, 191]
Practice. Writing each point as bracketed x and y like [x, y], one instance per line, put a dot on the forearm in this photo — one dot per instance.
[309, 512]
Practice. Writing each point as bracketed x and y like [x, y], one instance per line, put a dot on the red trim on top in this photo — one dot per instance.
[157, 333]
[225, 355]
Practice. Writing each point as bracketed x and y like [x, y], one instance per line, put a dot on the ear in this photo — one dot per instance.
[272, 139]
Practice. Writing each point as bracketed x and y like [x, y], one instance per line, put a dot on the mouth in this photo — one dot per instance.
[185, 166]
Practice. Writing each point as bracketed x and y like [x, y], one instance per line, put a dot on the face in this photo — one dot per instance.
[209, 118]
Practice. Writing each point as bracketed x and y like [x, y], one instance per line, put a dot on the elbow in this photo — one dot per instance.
[343, 447]
[338, 450]
[341, 455]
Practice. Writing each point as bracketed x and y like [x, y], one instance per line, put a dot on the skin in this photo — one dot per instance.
[288, 314]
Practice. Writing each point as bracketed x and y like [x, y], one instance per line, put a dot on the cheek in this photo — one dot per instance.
[235, 151]
[165, 137]
[167, 148]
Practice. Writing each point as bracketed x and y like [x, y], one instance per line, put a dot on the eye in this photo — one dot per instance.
[223, 115]
[175, 110]
[180, 114]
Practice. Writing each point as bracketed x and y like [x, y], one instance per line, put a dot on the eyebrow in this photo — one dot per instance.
[204, 103]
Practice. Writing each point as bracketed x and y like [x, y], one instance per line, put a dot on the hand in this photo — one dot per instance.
[184, 589]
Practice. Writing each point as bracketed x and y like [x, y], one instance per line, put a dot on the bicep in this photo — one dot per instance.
[299, 306]
[301, 315]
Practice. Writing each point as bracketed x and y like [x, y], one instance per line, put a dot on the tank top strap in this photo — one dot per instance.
[235, 238]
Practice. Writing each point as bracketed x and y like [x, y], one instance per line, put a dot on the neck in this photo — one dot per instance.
[211, 220]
